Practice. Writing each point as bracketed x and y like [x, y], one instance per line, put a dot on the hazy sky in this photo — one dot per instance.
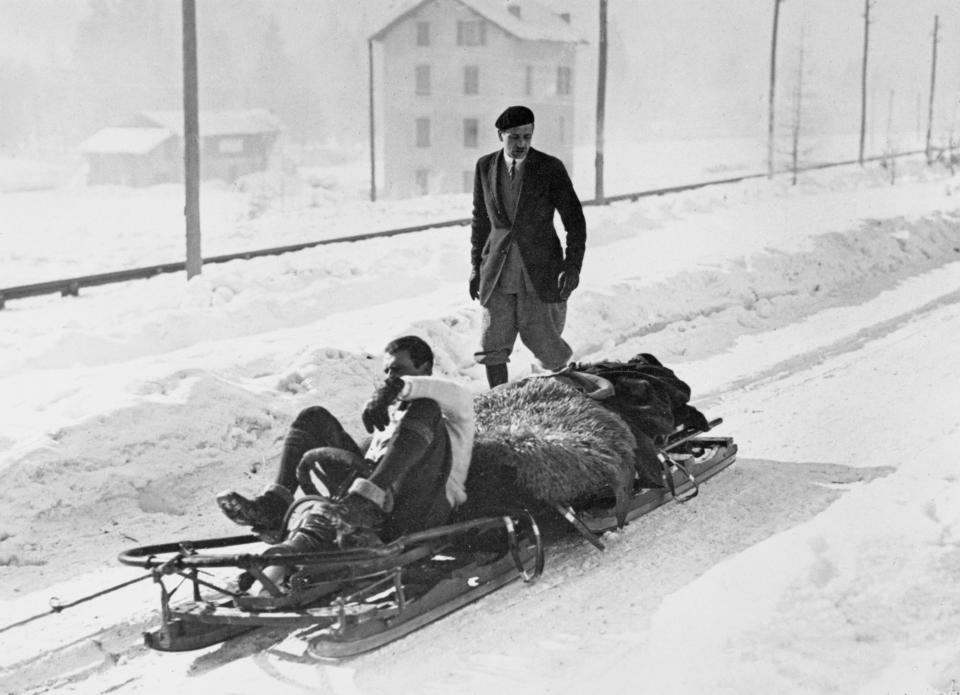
[719, 47]
[672, 61]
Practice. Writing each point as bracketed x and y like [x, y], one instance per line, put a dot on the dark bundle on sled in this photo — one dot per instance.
[544, 441]
[649, 396]
[548, 441]
[652, 400]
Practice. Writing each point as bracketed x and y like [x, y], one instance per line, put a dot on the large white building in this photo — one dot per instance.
[447, 68]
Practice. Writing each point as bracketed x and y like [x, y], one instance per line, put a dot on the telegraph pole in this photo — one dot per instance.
[863, 79]
[601, 100]
[933, 82]
[773, 86]
[373, 139]
[191, 138]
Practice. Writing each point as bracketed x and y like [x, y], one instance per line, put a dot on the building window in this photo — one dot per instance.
[230, 146]
[423, 79]
[563, 80]
[468, 182]
[423, 132]
[471, 132]
[471, 33]
[423, 181]
[471, 79]
[423, 33]
[528, 81]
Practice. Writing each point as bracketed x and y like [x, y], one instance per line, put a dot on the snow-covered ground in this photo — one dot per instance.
[819, 321]
[84, 230]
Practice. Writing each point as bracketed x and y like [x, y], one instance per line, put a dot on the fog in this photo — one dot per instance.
[118, 402]
[676, 68]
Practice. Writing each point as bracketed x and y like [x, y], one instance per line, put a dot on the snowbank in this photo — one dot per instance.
[127, 408]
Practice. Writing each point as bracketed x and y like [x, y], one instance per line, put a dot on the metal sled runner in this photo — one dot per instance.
[686, 460]
[351, 601]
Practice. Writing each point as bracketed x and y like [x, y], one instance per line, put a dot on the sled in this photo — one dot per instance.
[347, 602]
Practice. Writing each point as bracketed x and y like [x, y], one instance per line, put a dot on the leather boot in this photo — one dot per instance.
[496, 374]
[264, 512]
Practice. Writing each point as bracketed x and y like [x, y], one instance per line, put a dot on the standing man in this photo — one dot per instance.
[519, 274]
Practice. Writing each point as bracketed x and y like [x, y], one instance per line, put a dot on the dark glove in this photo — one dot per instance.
[567, 282]
[375, 413]
[475, 284]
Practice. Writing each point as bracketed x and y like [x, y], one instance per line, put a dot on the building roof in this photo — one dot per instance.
[246, 122]
[532, 21]
[120, 140]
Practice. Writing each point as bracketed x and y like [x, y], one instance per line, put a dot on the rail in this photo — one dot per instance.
[70, 287]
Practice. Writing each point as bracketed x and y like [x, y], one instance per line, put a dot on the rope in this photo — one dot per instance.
[57, 607]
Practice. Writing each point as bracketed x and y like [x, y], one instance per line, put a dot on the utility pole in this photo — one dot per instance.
[863, 79]
[773, 85]
[933, 82]
[601, 100]
[191, 138]
[373, 139]
[797, 110]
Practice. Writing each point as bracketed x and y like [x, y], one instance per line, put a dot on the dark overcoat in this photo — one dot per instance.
[545, 188]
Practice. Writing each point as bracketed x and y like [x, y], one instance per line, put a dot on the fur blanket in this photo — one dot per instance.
[541, 440]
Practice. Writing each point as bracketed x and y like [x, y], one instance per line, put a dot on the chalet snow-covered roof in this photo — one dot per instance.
[528, 21]
[125, 140]
[245, 122]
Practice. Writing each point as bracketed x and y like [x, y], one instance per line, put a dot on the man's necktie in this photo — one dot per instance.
[513, 168]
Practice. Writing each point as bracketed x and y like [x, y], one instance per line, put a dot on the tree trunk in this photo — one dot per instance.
[797, 112]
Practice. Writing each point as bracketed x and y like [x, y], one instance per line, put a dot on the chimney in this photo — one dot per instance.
[565, 16]
[514, 9]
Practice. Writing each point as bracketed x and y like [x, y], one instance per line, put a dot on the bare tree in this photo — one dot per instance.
[953, 143]
[797, 111]
[890, 150]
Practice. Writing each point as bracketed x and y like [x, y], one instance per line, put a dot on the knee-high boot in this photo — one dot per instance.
[496, 374]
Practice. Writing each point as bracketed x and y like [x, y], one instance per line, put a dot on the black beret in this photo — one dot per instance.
[514, 116]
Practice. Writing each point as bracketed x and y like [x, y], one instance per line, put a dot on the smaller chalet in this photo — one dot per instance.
[148, 149]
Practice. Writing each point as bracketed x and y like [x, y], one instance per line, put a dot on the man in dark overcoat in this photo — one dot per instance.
[520, 273]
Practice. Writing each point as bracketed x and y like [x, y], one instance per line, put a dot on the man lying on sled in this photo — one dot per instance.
[554, 440]
[411, 477]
